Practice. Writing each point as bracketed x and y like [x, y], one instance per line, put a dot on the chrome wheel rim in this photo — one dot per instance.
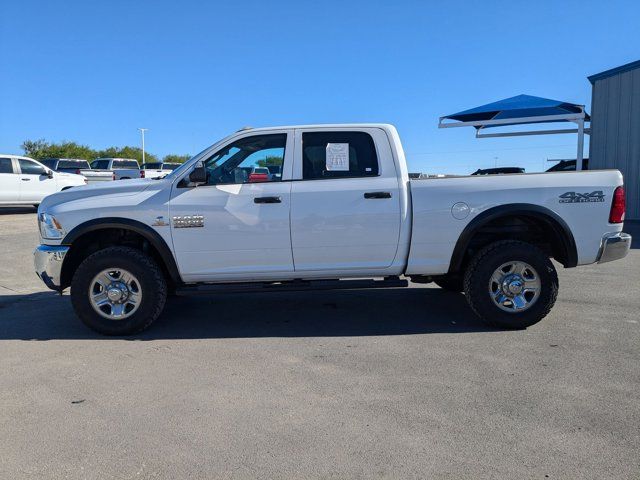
[115, 294]
[514, 286]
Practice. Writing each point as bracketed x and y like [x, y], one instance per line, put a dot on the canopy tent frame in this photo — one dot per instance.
[578, 118]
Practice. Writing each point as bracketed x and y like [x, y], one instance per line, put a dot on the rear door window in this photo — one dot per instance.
[338, 155]
[152, 166]
[100, 164]
[125, 164]
[73, 164]
[6, 165]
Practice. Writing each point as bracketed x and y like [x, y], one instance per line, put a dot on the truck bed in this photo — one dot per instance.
[444, 207]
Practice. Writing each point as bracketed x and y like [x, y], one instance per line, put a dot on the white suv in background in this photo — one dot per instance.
[24, 181]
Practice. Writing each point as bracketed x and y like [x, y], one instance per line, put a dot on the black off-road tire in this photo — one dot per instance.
[451, 283]
[152, 284]
[480, 270]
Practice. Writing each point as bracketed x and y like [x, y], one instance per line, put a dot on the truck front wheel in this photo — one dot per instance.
[118, 291]
[511, 284]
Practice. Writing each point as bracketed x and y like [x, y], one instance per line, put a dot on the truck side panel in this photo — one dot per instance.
[443, 207]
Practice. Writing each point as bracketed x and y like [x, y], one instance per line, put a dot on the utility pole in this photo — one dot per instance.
[142, 130]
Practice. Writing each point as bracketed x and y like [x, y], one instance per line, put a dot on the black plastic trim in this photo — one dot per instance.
[290, 286]
[525, 209]
[135, 226]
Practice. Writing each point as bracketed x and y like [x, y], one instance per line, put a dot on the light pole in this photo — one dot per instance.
[142, 130]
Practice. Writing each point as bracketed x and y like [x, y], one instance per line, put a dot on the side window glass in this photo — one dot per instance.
[27, 167]
[338, 155]
[49, 163]
[100, 164]
[250, 160]
[5, 165]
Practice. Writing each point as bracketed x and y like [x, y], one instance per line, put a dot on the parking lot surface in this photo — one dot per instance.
[397, 383]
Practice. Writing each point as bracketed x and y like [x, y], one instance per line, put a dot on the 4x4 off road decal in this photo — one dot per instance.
[575, 197]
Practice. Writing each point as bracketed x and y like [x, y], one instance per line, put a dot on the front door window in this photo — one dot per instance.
[253, 159]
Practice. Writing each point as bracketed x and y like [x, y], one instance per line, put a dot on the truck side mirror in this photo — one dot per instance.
[198, 174]
[49, 173]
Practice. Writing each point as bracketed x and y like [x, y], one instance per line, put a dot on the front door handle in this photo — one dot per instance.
[267, 200]
[377, 195]
[26, 179]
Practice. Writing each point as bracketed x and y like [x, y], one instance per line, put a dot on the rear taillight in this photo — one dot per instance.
[114, 176]
[141, 173]
[617, 206]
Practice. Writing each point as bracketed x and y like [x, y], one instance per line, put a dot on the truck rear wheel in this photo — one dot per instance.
[118, 291]
[511, 284]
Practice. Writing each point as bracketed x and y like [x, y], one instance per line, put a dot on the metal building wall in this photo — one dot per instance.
[615, 131]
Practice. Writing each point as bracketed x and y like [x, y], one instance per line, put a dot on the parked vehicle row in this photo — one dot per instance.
[339, 211]
[105, 169]
[25, 181]
[79, 167]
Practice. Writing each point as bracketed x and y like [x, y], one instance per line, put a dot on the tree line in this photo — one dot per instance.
[40, 149]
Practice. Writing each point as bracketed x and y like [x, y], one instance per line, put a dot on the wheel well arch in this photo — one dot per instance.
[94, 235]
[520, 221]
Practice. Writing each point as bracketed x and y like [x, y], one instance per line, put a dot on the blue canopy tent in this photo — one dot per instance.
[518, 110]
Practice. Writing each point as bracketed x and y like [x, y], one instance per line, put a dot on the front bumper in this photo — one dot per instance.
[48, 260]
[614, 246]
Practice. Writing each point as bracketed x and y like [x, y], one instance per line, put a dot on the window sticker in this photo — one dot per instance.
[337, 157]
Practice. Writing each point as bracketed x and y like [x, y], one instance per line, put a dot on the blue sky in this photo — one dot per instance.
[193, 72]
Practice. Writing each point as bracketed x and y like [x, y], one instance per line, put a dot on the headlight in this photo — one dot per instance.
[50, 228]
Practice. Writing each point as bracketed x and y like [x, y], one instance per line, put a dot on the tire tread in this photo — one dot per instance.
[141, 259]
[472, 282]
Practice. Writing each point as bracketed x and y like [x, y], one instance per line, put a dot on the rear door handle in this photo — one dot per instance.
[267, 200]
[26, 179]
[377, 195]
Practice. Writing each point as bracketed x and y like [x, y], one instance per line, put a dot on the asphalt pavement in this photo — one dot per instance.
[394, 383]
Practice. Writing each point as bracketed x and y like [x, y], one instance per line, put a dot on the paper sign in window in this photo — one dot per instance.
[337, 157]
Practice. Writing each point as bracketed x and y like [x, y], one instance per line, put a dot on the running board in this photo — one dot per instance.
[290, 286]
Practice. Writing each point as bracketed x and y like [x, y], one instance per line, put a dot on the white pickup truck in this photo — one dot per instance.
[342, 214]
[78, 167]
[157, 169]
[121, 168]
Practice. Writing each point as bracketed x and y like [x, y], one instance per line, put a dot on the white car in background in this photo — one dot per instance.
[24, 181]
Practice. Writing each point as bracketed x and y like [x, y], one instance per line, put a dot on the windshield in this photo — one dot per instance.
[49, 162]
[186, 165]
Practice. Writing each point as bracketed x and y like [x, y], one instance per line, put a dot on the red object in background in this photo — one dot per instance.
[618, 206]
[141, 173]
[258, 177]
